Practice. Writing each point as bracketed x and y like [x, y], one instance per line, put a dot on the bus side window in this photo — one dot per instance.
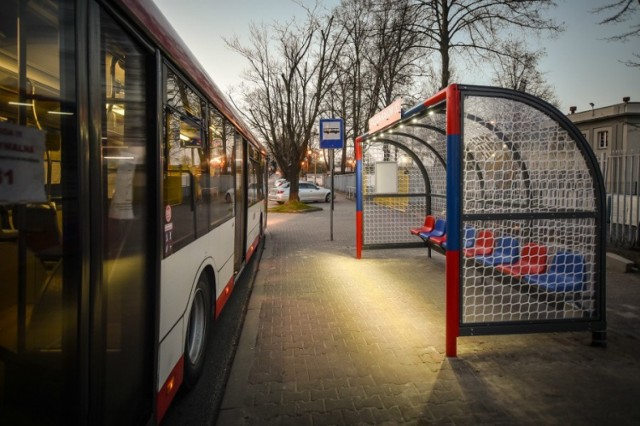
[177, 186]
[183, 163]
[220, 177]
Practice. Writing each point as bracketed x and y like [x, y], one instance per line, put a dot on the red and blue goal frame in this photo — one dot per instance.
[519, 170]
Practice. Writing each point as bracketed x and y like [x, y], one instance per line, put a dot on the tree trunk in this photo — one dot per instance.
[445, 74]
[294, 170]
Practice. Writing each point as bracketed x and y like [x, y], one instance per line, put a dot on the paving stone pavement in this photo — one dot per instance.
[333, 340]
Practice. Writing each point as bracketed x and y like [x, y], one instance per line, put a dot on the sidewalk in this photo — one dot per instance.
[329, 339]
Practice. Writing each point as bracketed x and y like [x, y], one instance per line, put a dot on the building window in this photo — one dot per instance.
[603, 139]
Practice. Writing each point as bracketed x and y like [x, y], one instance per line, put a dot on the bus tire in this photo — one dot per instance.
[195, 346]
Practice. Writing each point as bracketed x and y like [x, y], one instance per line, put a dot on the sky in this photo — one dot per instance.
[582, 66]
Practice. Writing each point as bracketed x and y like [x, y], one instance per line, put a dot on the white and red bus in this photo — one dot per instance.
[132, 197]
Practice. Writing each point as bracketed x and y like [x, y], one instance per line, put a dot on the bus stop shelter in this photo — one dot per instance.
[520, 197]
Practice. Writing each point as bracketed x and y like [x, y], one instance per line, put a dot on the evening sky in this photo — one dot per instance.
[582, 66]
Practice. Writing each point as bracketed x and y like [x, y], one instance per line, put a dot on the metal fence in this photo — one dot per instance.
[345, 183]
[621, 174]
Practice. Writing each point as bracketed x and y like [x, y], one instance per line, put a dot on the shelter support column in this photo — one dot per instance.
[453, 220]
[359, 224]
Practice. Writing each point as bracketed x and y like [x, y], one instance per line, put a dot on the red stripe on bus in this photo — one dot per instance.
[252, 248]
[169, 389]
[222, 300]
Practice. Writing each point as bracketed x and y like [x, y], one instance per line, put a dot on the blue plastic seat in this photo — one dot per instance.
[506, 250]
[565, 274]
[469, 238]
[439, 229]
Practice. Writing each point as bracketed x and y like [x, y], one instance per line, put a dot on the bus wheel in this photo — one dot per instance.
[195, 347]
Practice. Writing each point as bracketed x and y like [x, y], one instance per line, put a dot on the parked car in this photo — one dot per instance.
[279, 182]
[231, 193]
[307, 191]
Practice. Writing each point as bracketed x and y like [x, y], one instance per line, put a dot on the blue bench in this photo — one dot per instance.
[565, 274]
[469, 238]
[439, 229]
[439, 232]
[506, 250]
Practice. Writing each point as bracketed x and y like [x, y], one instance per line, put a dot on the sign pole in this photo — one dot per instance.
[333, 153]
[332, 137]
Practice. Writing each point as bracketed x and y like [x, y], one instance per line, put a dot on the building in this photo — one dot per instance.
[610, 130]
[614, 134]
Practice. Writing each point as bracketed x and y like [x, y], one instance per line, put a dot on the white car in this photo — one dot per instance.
[307, 191]
[253, 193]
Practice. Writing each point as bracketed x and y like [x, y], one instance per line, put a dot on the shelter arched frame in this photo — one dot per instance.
[515, 167]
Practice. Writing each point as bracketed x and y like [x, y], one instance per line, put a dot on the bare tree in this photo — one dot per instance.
[340, 102]
[347, 100]
[474, 27]
[517, 69]
[621, 11]
[380, 62]
[394, 57]
[289, 75]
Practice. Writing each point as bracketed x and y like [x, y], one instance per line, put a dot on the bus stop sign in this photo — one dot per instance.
[331, 133]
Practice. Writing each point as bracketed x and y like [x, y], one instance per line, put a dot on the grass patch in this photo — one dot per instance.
[293, 207]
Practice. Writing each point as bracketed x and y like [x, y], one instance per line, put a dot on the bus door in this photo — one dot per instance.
[240, 202]
[123, 312]
[77, 301]
[38, 293]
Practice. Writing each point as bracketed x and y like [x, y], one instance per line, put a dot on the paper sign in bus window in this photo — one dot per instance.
[21, 164]
[121, 206]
